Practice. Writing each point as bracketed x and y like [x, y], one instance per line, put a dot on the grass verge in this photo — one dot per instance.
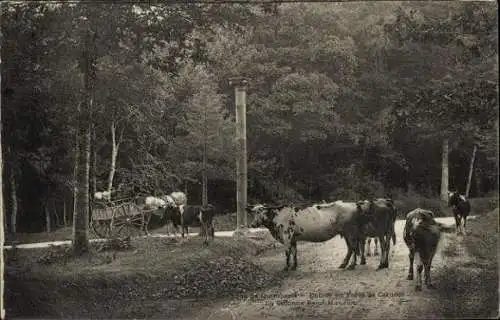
[471, 278]
[156, 278]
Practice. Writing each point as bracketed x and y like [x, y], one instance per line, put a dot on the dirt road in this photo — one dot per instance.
[318, 289]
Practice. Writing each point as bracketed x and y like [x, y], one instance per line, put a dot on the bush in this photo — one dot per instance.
[406, 204]
[440, 208]
[482, 205]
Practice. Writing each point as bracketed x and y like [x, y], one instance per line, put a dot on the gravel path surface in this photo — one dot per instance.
[319, 290]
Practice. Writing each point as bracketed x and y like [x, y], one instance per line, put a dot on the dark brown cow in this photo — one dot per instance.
[461, 209]
[205, 216]
[421, 235]
[317, 223]
[380, 218]
[193, 215]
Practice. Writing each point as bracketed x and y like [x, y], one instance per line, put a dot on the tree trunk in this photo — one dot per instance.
[471, 169]
[81, 218]
[114, 155]
[56, 215]
[281, 185]
[65, 220]
[93, 168]
[444, 171]
[48, 224]
[76, 153]
[2, 236]
[13, 198]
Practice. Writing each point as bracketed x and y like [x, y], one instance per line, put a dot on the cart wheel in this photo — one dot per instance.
[128, 221]
[101, 228]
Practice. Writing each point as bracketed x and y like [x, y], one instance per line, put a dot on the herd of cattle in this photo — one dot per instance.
[356, 222]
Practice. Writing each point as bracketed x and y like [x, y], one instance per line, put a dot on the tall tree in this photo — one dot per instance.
[2, 216]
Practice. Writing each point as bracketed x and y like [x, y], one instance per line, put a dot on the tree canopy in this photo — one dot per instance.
[345, 100]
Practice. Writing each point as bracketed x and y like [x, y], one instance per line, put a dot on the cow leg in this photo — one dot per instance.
[293, 251]
[457, 223]
[427, 275]
[427, 268]
[418, 287]
[465, 219]
[348, 255]
[184, 231]
[145, 229]
[182, 224]
[383, 255]
[387, 249]
[212, 230]
[420, 267]
[368, 253]
[375, 251]
[411, 256]
[204, 228]
[287, 259]
[362, 249]
[175, 229]
[353, 247]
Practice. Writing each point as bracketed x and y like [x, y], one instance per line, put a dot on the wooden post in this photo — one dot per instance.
[241, 159]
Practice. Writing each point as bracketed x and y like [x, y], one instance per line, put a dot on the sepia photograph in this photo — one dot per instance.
[211, 160]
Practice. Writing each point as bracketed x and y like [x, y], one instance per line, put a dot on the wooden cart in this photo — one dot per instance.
[122, 218]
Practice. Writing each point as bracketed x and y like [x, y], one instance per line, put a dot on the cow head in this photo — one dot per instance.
[365, 206]
[453, 198]
[420, 217]
[264, 215]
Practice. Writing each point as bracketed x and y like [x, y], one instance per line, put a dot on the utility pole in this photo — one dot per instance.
[240, 85]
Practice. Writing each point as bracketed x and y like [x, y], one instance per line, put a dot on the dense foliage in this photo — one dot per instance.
[345, 100]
